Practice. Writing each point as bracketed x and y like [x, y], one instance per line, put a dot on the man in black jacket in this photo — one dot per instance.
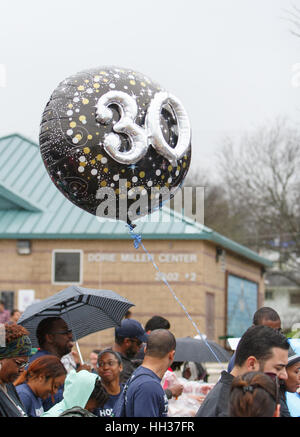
[261, 348]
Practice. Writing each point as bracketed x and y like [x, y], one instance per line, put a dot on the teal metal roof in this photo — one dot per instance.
[31, 207]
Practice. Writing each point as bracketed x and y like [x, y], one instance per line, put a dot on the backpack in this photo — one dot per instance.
[77, 412]
[119, 409]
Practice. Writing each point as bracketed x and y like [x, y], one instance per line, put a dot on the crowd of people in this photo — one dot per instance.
[7, 316]
[125, 379]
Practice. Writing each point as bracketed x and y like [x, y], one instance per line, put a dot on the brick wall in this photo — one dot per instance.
[195, 273]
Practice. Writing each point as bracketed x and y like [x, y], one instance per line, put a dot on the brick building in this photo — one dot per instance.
[46, 243]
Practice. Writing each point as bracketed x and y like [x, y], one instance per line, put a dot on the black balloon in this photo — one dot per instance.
[85, 153]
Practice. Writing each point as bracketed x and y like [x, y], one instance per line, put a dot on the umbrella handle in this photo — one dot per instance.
[79, 353]
[76, 342]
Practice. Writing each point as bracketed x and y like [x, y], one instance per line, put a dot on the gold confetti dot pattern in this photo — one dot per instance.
[76, 134]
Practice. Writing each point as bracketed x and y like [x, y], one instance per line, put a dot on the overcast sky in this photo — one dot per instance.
[230, 62]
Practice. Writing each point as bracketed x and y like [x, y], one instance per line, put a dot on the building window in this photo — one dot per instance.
[8, 298]
[295, 298]
[24, 247]
[269, 295]
[67, 267]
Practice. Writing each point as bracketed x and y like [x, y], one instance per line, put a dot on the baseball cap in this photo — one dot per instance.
[132, 329]
[293, 357]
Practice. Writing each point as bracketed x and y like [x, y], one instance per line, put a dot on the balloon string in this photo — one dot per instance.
[137, 243]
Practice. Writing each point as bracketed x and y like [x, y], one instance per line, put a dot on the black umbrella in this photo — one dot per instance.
[85, 311]
[199, 351]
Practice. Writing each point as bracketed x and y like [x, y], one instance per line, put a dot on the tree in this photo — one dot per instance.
[217, 209]
[293, 16]
[261, 179]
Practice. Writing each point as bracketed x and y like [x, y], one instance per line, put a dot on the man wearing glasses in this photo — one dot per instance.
[128, 340]
[54, 338]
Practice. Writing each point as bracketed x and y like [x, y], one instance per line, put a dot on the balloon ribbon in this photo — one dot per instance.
[137, 241]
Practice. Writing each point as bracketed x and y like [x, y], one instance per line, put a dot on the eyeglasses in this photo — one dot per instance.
[21, 364]
[66, 332]
[110, 363]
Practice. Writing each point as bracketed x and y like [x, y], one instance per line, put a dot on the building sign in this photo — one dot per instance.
[25, 298]
[161, 258]
[143, 257]
[101, 257]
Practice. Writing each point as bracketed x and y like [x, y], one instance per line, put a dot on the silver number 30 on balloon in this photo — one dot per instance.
[140, 137]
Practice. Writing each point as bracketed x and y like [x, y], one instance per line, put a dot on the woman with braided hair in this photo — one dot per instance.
[14, 354]
[255, 394]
